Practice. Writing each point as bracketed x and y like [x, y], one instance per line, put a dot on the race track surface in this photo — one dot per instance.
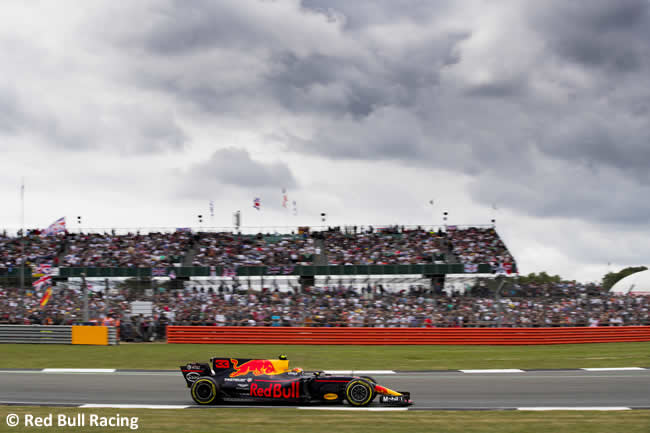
[429, 390]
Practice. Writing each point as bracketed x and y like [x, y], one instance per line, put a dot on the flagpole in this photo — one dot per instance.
[22, 248]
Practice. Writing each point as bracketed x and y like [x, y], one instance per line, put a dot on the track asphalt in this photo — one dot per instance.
[470, 390]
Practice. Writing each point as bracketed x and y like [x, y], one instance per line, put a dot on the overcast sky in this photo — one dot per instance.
[137, 114]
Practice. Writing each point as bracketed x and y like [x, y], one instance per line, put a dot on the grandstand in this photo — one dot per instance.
[364, 251]
[392, 276]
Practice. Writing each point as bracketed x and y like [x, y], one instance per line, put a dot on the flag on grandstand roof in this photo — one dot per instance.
[285, 198]
[46, 296]
[57, 226]
[256, 203]
[158, 272]
[471, 268]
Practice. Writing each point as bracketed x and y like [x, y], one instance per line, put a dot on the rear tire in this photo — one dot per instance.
[359, 392]
[205, 390]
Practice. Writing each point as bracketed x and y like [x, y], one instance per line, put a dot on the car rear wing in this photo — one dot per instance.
[192, 371]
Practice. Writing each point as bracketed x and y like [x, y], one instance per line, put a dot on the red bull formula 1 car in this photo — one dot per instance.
[271, 380]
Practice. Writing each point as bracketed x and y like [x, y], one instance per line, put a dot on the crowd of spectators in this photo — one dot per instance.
[131, 250]
[478, 245]
[390, 246]
[351, 246]
[231, 250]
[38, 250]
[374, 306]
[377, 307]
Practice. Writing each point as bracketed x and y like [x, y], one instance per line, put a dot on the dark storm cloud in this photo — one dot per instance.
[302, 62]
[235, 168]
[523, 85]
[598, 33]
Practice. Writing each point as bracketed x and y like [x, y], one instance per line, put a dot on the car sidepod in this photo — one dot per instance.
[276, 389]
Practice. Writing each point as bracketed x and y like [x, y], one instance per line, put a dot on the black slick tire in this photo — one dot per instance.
[205, 390]
[359, 392]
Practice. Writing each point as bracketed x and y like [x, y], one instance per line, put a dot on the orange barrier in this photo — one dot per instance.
[404, 336]
[94, 335]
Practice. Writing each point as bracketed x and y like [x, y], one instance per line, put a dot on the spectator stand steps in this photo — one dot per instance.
[320, 259]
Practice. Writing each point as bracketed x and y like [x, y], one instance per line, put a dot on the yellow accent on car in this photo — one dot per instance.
[196, 398]
[363, 383]
[386, 391]
[280, 365]
[330, 396]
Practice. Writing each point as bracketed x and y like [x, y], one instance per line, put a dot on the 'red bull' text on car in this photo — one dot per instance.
[265, 380]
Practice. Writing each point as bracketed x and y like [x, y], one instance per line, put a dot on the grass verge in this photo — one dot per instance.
[170, 356]
[292, 420]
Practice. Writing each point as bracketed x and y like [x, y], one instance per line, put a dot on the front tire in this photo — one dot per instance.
[374, 382]
[205, 390]
[359, 392]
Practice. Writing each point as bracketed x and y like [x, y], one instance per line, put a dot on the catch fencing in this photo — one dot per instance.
[53, 334]
[404, 336]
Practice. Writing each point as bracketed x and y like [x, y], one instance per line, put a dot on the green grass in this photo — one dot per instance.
[170, 356]
[292, 420]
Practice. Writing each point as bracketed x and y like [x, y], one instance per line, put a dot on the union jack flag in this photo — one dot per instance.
[57, 226]
[229, 272]
[158, 272]
[287, 270]
[41, 270]
[43, 280]
[256, 203]
[279, 270]
[285, 198]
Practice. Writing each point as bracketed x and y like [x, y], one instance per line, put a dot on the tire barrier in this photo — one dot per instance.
[404, 336]
[51, 334]
[39, 334]
[113, 338]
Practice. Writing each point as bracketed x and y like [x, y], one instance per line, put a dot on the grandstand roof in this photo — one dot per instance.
[635, 284]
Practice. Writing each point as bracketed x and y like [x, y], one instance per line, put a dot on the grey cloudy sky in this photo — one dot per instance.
[136, 114]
